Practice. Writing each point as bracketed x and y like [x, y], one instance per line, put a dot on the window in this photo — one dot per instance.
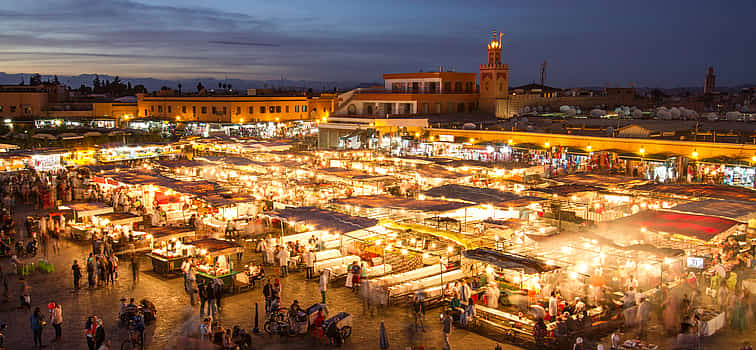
[1, 108]
[238, 110]
[152, 108]
[145, 111]
[262, 109]
[304, 108]
[461, 107]
[183, 109]
[194, 110]
[278, 109]
[251, 110]
[160, 109]
[272, 109]
[13, 109]
[214, 110]
[425, 108]
[287, 109]
[468, 86]
[204, 109]
[447, 86]
[170, 109]
[224, 110]
[296, 109]
[458, 86]
[437, 108]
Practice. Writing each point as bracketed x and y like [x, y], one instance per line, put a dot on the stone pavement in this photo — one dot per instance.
[177, 326]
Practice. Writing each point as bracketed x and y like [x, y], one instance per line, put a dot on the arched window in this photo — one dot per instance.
[458, 86]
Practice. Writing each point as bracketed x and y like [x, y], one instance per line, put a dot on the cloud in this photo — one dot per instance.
[241, 43]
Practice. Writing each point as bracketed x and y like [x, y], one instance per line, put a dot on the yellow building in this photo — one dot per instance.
[235, 109]
[19, 101]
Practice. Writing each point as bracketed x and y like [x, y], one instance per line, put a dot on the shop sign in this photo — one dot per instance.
[446, 138]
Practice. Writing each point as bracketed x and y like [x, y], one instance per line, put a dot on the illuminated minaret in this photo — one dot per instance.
[494, 78]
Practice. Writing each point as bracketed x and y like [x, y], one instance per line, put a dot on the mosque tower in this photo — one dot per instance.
[494, 77]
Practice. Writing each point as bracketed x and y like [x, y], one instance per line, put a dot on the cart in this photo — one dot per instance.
[343, 323]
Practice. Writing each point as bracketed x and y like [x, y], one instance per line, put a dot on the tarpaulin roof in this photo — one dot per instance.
[434, 171]
[167, 232]
[182, 163]
[509, 261]
[736, 210]
[217, 247]
[207, 191]
[599, 180]
[700, 227]
[471, 194]
[382, 201]
[325, 220]
[701, 191]
[563, 190]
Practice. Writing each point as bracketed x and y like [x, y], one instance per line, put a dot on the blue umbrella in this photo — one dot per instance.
[382, 338]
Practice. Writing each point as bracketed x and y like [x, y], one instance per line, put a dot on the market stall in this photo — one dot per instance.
[167, 248]
[214, 256]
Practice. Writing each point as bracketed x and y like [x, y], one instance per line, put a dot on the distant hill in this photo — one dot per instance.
[189, 84]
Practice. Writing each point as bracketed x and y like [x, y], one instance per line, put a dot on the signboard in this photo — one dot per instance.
[45, 162]
[695, 262]
[446, 138]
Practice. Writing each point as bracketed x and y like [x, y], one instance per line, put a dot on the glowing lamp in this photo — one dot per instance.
[547, 144]
[589, 148]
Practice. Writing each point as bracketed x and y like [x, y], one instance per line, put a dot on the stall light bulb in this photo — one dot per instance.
[516, 279]
[550, 262]
[450, 249]
[489, 269]
[404, 252]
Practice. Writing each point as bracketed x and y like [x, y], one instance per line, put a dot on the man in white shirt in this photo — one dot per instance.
[553, 305]
[310, 263]
[283, 260]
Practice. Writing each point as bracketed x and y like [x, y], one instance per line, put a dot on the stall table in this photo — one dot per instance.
[121, 219]
[165, 265]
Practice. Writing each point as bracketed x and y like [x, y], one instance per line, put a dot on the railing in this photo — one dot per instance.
[412, 91]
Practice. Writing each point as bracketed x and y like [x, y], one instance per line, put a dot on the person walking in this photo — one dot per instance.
[99, 334]
[218, 291]
[56, 319]
[134, 269]
[325, 276]
[268, 295]
[37, 323]
[76, 270]
[447, 328]
[283, 260]
[91, 270]
[418, 310]
[644, 309]
[202, 297]
[90, 327]
[310, 263]
[212, 308]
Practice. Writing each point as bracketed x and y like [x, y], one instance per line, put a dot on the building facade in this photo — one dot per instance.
[414, 93]
[235, 109]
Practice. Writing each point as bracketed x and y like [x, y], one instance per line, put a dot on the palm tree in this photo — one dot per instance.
[179, 88]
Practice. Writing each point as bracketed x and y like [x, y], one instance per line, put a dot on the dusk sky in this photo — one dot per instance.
[665, 43]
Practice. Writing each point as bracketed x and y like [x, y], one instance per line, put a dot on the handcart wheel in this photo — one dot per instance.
[346, 331]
